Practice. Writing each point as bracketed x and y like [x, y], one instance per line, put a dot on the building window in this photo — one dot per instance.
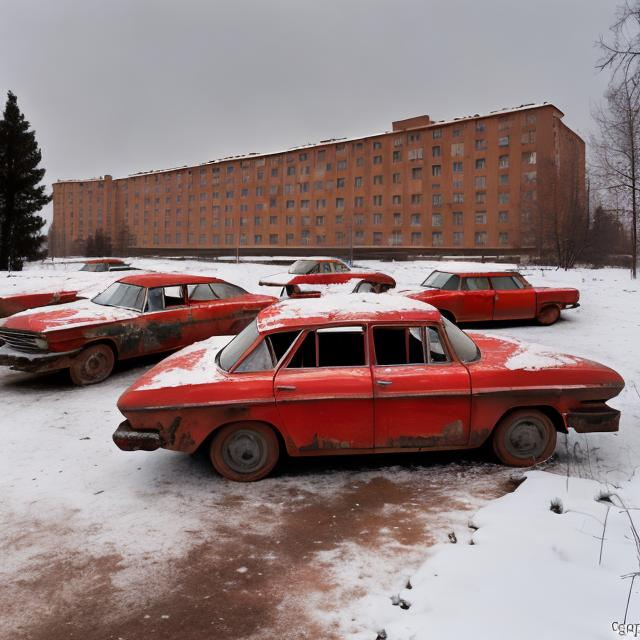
[528, 137]
[503, 216]
[416, 173]
[396, 238]
[503, 198]
[480, 164]
[481, 197]
[530, 118]
[397, 156]
[504, 179]
[503, 141]
[304, 204]
[377, 238]
[436, 152]
[457, 167]
[415, 219]
[436, 199]
[530, 176]
[503, 162]
[481, 217]
[480, 238]
[339, 219]
[396, 178]
[342, 165]
[377, 159]
[457, 132]
[377, 218]
[436, 133]
[377, 201]
[416, 198]
[504, 123]
[358, 201]
[290, 204]
[339, 203]
[436, 220]
[457, 149]
[357, 183]
[291, 171]
[480, 182]
[397, 219]
[358, 219]
[458, 238]
[503, 238]
[457, 218]
[377, 144]
[416, 154]
[319, 221]
[396, 199]
[458, 197]
[480, 126]
[436, 239]
[377, 179]
[436, 170]
[340, 183]
[529, 157]
[481, 144]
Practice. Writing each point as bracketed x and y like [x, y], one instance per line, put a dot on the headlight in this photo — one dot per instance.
[41, 343]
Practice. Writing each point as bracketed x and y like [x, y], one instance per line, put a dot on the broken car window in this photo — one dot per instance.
[398, 345]
[331, 347]
[437, 352]
[281, 342]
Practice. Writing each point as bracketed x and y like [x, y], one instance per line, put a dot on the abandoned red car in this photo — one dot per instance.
[107, 264]
[362, 374]
[137, 315]
[312, 277]
[496, 295]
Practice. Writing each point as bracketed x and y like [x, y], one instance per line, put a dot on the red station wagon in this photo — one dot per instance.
[135, 316]
[496, 295]
[362, 374]
[311, 277]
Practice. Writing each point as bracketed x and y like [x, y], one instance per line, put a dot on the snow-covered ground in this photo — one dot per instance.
[82, 521]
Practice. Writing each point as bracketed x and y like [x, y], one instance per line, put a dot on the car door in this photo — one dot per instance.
[422, 396]
[512, 300]
[324, 392]
[165, 319]
[218, 309]
[477, 300]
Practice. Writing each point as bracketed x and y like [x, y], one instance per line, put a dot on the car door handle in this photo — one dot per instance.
[384, 383]
[285, 387]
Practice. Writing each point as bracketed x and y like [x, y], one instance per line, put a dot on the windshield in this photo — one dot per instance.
[127, 296]
[302, 266]
[237, 347]
[441, 280]
[463, 345]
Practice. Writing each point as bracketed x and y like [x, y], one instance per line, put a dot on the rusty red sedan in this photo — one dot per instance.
[464, 296]
[313, 277]
[362, 373]
[137, 315]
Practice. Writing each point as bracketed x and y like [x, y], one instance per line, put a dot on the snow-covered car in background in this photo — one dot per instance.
[137, 315]
[107, 264]
[17, 302]
[312, 277]
[362, 374]
[464, 296]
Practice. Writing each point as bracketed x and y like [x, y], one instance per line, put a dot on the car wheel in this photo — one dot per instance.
[93, 364]
[524, 438]
[548, 315]
[245, 451]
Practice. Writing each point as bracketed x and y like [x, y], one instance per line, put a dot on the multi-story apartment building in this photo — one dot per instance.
[489, 184]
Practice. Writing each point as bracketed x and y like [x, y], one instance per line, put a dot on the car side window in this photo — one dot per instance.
[315, 269]
[281, 342]
[224, 290]
[159, 298]
[199, 292]
[505, 283]
[399, 345]
[437, 352]
[331, 347]
[476, 284]
[260, 359]
[341, 268]
[326, 267]
[451, 284]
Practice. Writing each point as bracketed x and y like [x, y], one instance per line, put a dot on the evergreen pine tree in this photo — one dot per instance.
[21, 196]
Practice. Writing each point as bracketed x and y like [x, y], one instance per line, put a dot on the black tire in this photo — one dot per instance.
[93, 364]
[524, 438]
[244, 451]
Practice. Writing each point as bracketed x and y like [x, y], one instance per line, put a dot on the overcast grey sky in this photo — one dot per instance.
[118, 87]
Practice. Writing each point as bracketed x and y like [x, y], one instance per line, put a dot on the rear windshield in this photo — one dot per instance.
[463, 345]
[441, 280]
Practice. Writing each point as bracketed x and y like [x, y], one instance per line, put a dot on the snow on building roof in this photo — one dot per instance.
[344, 307]
[434, 124]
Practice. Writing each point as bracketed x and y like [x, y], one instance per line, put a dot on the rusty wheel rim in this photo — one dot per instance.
[95, 366]
[527, 438]
[245, 451]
